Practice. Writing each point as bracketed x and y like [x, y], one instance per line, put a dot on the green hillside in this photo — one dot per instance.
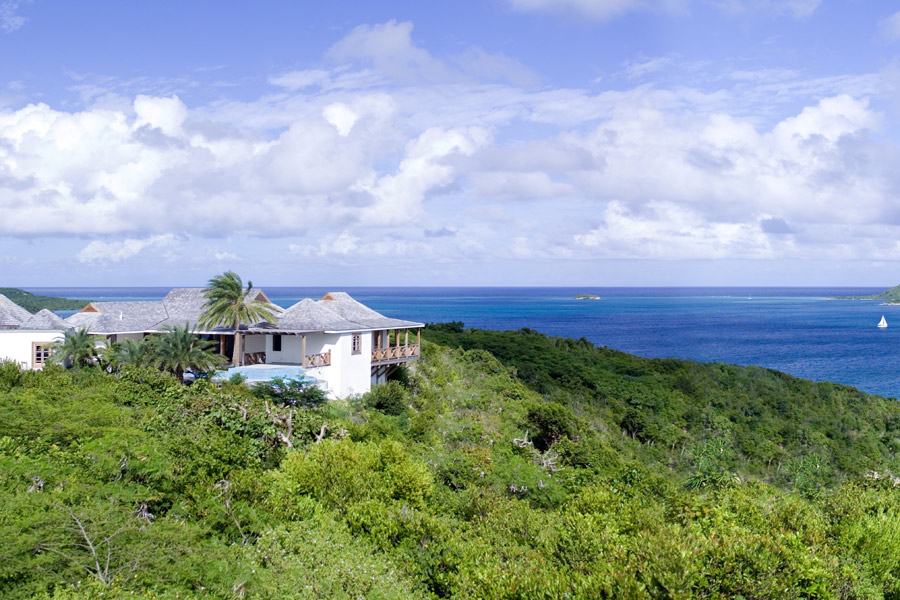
[891, 295]
[33, 303]
[551, 470]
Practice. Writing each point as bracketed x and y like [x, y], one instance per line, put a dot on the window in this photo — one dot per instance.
[356, 343]
[40, 352]
[276, 343]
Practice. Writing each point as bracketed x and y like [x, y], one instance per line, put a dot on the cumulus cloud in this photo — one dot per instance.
[112, 252]
[667, 231]
[458, 167]
[165, 114]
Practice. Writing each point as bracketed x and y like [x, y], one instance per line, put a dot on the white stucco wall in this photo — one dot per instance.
[16, 344]
[356, 369]
[255, 343]
[348, 374]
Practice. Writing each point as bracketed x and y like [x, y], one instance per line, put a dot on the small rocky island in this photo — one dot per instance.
[587, 297]
[891, 296]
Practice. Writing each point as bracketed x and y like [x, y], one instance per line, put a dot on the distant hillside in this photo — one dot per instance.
[33, 303]
[892, 295]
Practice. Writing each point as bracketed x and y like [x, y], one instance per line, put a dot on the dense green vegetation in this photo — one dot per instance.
[33, 303]
[502, 465]
[892, 295]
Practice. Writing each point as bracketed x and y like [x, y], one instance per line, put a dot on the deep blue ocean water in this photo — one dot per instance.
[795, 330]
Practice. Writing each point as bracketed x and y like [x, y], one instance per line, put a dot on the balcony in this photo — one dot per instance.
[395, 354]
[317, 360]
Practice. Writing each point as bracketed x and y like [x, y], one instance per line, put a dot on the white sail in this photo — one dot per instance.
[882, 322]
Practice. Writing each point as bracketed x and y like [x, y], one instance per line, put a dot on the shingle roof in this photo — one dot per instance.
[11, 314]
[308, 315]
[342, 304]
[185, 305]
[44, 319]
[117, 317]
[336, 311]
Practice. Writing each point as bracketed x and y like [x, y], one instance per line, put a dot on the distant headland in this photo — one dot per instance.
[33, 303]
[891, 296]
[587, 297]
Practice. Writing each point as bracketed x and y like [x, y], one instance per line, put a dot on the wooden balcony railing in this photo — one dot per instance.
[317, 360]
[394, 353]
[255, 358]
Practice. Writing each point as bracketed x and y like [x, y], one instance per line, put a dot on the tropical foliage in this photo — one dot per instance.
[547, 471]
[76, 348]
[228, 304]
[178, 350]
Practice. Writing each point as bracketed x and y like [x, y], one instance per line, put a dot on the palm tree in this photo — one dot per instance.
[75, 348]
[228, 304]
[180, 350]
[133, 352]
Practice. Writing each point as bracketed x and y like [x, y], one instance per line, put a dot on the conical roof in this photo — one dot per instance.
[308, 315]
[342, 304]
[11, 314]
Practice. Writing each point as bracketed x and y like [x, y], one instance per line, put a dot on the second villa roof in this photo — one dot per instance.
[335, 312]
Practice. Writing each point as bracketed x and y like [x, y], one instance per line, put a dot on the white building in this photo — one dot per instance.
[342, 343]
[25, 337]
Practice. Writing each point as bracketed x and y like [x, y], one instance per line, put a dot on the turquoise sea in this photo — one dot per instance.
[795, 330]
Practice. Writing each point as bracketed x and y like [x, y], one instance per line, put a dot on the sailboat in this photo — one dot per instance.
[882, 322]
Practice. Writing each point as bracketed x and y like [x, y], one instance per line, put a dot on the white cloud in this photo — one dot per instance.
[671, 232]
[341, 116]
[398, 197]
[890, 26]
[598, 9]
[9, 19]
[166, 114]
[607, 9]
[390, 49]
[637, 69]
[112, 252]
[297, 80]
[800, 9]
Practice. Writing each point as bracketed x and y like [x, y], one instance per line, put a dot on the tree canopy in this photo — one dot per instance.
[548, 470]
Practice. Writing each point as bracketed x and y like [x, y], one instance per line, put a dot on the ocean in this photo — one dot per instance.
[795, 330]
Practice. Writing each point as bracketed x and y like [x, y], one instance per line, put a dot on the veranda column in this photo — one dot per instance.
[303, 350]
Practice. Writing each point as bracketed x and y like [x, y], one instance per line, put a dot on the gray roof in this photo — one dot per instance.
[308, 315]
[185, 305]
[45, 319]
[12, 316]
[119, 317]
[342, 304]
[336, 311]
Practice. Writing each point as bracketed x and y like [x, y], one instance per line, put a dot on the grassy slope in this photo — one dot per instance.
[33, 303]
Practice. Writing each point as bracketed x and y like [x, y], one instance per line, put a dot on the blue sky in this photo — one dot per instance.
[501, 142]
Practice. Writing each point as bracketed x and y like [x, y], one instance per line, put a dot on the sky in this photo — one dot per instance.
[465, 143]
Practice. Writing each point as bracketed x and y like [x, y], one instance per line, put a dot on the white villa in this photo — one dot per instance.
[345, 345]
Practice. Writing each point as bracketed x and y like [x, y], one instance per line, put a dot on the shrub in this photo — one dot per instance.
[390, 398]
[290, 392]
